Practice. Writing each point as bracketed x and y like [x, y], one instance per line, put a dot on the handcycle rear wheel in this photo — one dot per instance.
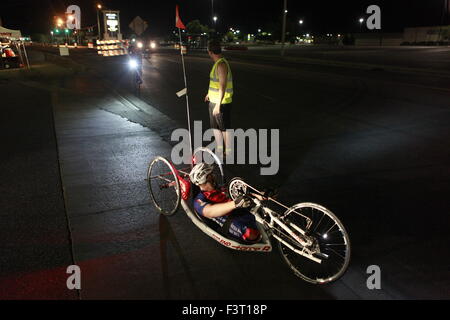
[331, 244]
[164, 186]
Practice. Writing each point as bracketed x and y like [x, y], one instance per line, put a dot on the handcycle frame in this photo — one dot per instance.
[183, 175]
[266, 221]
[301, 239]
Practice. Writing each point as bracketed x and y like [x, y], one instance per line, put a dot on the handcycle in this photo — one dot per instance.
[312, 241]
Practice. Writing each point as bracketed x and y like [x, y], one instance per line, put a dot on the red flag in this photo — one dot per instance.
[178, 21]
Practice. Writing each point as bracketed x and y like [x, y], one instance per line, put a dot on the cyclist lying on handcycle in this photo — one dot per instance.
[213, 203]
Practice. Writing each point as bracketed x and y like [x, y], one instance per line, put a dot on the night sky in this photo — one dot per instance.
[35, 16]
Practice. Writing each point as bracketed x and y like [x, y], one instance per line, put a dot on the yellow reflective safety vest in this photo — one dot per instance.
[214, 84]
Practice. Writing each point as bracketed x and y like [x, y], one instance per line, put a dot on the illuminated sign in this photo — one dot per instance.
[112, 22]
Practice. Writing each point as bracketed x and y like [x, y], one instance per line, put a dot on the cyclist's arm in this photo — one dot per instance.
[212, 211]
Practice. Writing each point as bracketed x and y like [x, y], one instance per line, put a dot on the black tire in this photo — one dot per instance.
[330, 236]
[164, 186]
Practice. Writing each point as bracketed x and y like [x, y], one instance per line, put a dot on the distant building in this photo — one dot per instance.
[427, 34]
[378, 39]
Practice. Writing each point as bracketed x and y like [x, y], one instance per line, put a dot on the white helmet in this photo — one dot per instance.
[200, 172]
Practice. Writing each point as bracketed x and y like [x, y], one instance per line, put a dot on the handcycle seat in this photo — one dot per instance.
[217, 228]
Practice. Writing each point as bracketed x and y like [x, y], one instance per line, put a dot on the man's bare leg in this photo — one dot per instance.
[219, 142]
[227, 139]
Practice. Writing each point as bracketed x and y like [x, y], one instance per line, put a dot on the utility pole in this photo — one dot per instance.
[99, 7]
[447, 11]
[283, 35]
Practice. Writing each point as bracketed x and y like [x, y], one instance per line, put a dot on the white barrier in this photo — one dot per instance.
[111, 48]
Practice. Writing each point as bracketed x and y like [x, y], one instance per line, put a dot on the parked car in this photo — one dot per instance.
[9, 59]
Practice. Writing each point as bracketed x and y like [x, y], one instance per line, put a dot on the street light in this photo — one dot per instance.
[361, 20]
[215, 19]
[300, 22]
[99, 7]
[283, 34]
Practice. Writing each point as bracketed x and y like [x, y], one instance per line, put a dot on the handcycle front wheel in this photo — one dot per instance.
[331, 244]
[164, 186]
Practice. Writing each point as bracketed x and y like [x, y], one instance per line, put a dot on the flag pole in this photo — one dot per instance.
[187, 94]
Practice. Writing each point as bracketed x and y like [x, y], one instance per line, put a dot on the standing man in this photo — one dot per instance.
[220, 97]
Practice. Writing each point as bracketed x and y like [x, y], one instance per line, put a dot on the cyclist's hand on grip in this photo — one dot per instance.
[270, 193]
[243, 202]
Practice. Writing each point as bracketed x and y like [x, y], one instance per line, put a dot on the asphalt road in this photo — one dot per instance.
[35, 245]
[424, 58]
[369, 144]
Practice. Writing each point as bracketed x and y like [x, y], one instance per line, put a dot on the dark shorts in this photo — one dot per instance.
[223, 120]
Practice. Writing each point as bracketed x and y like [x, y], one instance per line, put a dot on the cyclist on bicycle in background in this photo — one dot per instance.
[135, 54]
[232, 216]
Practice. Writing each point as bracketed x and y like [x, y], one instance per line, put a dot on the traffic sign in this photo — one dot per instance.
[138, 25]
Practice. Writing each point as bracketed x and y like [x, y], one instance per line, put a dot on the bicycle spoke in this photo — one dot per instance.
[323, 215]
[338, 230]
[328, 231]
[164, 186]
[332, 240]
[335, 252]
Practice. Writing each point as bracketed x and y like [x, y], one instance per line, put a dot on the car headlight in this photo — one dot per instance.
[140, 45]
[153, 45]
